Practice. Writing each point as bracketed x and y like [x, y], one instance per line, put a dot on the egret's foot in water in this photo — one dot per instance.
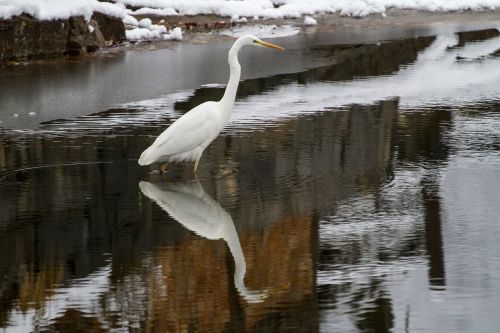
[162, 168]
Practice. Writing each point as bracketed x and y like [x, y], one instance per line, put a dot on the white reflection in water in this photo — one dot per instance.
[468, 296]
[80, 294]
[191, 206]
[376, 236]
[437, 78]
[387, 230]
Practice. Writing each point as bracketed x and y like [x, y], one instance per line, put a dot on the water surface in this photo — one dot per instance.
[357, 193]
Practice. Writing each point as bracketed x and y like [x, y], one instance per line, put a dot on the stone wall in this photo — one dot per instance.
[24, 37]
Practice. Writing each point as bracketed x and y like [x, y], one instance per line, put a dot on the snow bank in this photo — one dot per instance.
[238, 10]
[297, 8]
[63, 9]
[47, 9]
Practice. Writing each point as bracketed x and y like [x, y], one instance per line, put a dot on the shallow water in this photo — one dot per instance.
[358, 193]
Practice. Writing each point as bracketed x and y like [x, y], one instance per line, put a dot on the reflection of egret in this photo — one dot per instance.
[187, 137]
[190, 205]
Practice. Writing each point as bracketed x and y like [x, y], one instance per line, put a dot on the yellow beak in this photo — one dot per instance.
[266, 44]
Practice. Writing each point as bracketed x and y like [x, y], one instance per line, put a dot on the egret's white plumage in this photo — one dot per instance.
[187, 138]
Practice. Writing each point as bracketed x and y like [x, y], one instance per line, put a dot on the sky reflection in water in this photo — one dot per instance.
[362, 196]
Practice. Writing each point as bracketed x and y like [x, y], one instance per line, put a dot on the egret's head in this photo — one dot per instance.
[252, 40]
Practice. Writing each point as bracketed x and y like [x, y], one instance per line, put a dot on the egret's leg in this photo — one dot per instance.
[196, 166]
[163, 167]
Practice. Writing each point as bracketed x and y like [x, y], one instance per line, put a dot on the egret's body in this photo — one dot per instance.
[187, 138]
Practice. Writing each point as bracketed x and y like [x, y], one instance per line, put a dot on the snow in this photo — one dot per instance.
[308, 20]
[142, 34]
[297, 8]
[148, 24]
[156, 11]
[46, 9]
[236, 19]
[176, 34]
[60, 9]
[147, 33]
[145, 23]
[63, 9]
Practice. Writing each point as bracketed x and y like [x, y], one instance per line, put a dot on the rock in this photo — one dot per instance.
[77, 36]
[23, 37]
[112, 28]
[84, 37]
[95, 39]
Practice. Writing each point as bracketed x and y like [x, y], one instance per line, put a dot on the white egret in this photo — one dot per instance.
[188, 136]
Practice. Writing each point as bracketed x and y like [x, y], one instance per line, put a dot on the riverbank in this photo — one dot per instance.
[85, 39]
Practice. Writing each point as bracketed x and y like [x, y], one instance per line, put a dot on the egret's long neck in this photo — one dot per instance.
[227, 100]
[233, 242]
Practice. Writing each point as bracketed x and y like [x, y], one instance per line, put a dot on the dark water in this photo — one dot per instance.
[358, 194]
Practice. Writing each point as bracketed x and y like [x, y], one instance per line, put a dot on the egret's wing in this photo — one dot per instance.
[193, 129]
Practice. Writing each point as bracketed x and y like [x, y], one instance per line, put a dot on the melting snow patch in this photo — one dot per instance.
[308, 20]
[175, 34]
[142, 34]
[145, 23]
[153, 32]
[236, 19]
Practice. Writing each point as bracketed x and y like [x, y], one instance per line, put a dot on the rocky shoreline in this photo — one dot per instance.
[26, 38]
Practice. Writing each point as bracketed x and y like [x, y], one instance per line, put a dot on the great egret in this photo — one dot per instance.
[191, 206]
[188, 136]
